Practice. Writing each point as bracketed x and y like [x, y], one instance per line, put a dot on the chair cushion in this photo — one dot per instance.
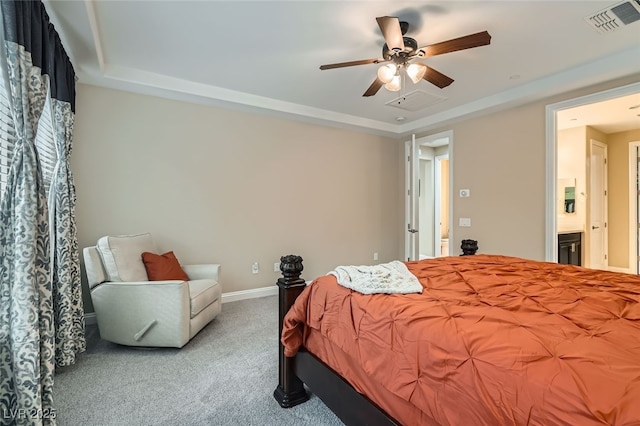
[202, 293]
[122, 256]
[161, 267]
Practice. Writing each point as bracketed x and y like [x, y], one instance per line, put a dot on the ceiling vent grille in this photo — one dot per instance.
[416, 100]
[615, 17]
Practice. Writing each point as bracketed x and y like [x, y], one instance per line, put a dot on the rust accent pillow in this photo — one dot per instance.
[163, 267]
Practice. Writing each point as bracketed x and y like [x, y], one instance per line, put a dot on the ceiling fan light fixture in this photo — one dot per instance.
[416, 71]
[387, 72]
[395, 84]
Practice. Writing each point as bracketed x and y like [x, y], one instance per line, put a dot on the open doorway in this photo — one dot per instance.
[604, 123]
[428, 183]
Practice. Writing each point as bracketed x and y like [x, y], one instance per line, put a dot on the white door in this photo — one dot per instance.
[597, 226]
[412, 170]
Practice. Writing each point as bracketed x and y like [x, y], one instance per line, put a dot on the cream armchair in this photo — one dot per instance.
[130, 310]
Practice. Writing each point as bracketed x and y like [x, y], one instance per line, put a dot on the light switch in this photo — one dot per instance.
[465, 221]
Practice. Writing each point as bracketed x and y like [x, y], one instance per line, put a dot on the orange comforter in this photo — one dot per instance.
[492, 340]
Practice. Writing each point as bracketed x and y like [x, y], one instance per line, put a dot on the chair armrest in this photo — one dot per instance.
[134, 297]
[203, 271]
[123, 309]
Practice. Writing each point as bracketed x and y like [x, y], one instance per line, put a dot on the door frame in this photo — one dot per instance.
[551, 161]
[634, 178]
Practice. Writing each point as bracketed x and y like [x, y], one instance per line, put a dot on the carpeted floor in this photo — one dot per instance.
[226, 375]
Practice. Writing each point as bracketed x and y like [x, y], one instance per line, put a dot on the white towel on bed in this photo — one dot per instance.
[392, 277]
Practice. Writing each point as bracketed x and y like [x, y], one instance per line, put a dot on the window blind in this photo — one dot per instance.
[7, 135]
[44, 143]
[45, 146]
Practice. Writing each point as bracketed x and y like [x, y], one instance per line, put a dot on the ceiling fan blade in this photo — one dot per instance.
[352, 63]
[437, 78]
[466, 42]
[391, 31]
[373, 89]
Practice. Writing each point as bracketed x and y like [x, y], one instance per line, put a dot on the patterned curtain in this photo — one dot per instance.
[67, 293]
[35, 304]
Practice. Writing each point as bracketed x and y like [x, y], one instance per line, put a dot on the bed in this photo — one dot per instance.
[491, 340]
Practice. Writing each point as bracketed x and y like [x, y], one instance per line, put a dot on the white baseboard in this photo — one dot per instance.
[618, 269]
[234, 296]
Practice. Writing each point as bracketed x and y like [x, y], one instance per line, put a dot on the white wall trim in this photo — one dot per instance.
[253, 293]
[618, 269]
[551, 170]
[633, 213]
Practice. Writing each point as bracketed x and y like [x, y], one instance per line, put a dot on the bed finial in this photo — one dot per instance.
[469, 247]
[290, 390]
[291, 266]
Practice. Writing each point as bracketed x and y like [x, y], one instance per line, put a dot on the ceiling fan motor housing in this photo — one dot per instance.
[410, 48]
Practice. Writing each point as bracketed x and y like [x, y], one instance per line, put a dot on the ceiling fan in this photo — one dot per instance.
[403, 54]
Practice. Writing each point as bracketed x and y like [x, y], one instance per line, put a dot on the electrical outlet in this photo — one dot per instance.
[276, 267]
[255, 268]
[375, 256]
[465, 221]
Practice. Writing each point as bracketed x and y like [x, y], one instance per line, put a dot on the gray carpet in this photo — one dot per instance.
[226, 375]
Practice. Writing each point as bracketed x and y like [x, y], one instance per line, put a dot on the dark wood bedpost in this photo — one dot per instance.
[290, 390]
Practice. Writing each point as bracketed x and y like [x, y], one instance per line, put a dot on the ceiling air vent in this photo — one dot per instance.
[416, 100]
[615, 17]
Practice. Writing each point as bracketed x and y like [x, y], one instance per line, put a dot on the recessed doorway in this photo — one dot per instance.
[428, 187]
[588, 118]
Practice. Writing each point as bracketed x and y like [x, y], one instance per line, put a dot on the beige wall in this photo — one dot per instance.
[232, 187]
[571, 166]
[229, 187]
[618, 175]
[500, 158]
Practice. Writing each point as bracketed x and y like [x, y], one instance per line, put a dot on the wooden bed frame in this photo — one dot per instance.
[296, 374]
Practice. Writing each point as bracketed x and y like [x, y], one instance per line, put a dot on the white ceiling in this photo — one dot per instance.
[611, 116]
[264, 55]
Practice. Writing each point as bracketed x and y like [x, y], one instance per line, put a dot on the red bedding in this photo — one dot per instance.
[492, 340]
